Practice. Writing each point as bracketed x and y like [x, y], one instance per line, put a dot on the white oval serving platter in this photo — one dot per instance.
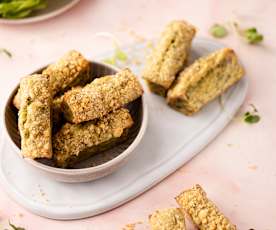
[171, 140]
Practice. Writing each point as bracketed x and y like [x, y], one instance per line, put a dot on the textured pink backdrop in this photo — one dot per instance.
[237, 169]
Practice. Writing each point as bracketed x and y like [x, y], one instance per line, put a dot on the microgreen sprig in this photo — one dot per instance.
[252, 116]
[119, 56]
[218, 31]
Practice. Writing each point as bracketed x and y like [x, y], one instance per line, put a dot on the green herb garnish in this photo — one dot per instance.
[15, 9]
[252, 36]
[15, 228]
[6, 52]
[252, 117]
[120, 55]
[218, 31]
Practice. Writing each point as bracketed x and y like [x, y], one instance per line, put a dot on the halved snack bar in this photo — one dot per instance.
[102, 96]
[35, 116]
[167, 219]
[75, 142]
[202, 211]
[70, 70]
[204, 80]
[169, 57]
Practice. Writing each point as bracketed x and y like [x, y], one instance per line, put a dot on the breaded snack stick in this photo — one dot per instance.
[56, 108]
[70, 70]
[35, 116]
[167, 219]
[102, 96]
[75, 142]
[169, 57]
[204, 80]
[203, 212]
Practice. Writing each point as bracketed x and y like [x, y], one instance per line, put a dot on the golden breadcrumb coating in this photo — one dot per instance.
[169, 57]
[35, 116]
[203, 212]
[102, 96]
[70, 70]
[204, 80]
[72, 139]
[167, 219]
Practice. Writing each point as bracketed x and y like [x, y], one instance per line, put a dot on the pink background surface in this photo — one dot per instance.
[237, 169]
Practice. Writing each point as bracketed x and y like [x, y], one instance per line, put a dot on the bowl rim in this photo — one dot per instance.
[92, 169]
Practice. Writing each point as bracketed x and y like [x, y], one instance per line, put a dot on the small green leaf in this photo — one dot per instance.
[218, 31]
[252, 30]
[252, 36]
[6, 52]
[251, 118]
[15, 228]
[120, 55]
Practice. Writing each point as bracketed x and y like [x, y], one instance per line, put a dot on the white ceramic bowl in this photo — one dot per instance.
[97, 166]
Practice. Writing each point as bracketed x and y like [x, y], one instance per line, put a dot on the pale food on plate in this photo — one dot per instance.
[169, 56]
[204, 80]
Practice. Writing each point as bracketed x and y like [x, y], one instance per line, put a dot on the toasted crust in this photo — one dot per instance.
[203, 212]
[56, 109]
[75, 141]
[167, 219]
[70, 70]
[169, 57]
[204, 80]
[35, 116]
[102, 96]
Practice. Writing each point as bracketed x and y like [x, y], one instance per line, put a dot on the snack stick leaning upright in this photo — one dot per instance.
[35, 116]
[169, 57]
